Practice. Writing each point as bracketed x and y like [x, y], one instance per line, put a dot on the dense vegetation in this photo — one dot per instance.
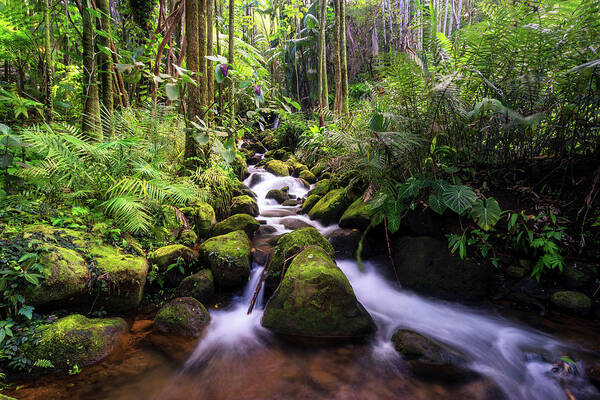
[120, 119]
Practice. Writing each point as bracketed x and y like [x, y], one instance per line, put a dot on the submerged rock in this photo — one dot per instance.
[77, 340]
[310, 202]
[572, 301]
[200, 286]
[278, 167]
[330, 208]
[184, 316]
[357, 216]
[425, 265]
[244, 205]
[278, 195]
[289, 245]
[228, 257]
[244, 222]
[315, 301]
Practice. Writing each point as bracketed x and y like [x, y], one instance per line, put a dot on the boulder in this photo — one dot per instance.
[77, 340]
[425, 264]
[183, 316]
[278, 195]
[200, 286]
[310, 202]
[278, 154]
[292, 223]
[330, 207]
[202, 216]
[344, 241]
[298, 167]
[188, 238]
[244, 205]
[240, 168]
[579, 275]
[321, 188]
[307, 176]
[228, 257]
[572, 302]
[277, 167]
[163, 257]
[315, 301]
[244, 222]
[357, 216]
[287, 246]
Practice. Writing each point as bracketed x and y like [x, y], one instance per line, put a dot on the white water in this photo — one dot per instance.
[509, 354]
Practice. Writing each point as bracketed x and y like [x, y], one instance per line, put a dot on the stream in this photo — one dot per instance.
[238, 359]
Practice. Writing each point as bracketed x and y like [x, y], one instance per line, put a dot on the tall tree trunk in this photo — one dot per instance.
[91, 125]
[219, 10]
[230, 54]
[210, 72]
[202, 53]
[67, 39]
[322, 88]
[338, 58]
[105, 66]
[344, 59]
[192, 63]
[47, 63]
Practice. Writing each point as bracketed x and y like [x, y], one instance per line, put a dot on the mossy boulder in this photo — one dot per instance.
[289, 245]
[228, 257]
[65, 278]
[357, 216]
[425, 264]
[184, 316]
[77, 340]
[330, 207]
[579, 275]
[315, 301]
[278, 195]
[278, 154]
[572, 302]
[200, 286]
[277, 167]
[297, 167]
[319, 168]
[307, 176]
[188, 238]
[244, 205]
[515, 272]
[239, 166]
[321, 188]
[202, 216]
[310, 202]
[244, 222]
[165, 256]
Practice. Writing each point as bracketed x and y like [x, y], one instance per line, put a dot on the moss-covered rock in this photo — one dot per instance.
[77, 340]
[244, 222]
[228, 257]
[319, 168]
[202, 215]
[307, 176]
[321, 188]
[239, 166]
[572, 301]
[515, 272]
[200, 286]
[244, 205]
[297, 167]
[290, 203]
[330, 207]
[315, 300]
[357, 216]
[289, 245]
[165, 256]
[579, 275]
[310, 202]
[277, 167]
[278, 195]
[184, 316]
[188, 238]
[278, 154]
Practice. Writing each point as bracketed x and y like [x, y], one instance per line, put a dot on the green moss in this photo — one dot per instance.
[278, 168]
[124, 277]
[199, 286]
[310, 202]
[307, 176]
[188, 238]
[228, 257]
[315, 299]
[239, 166]
[163, 257]
[77, 340]
[321, 188]
[569, 300]
[244, 205]
[184, 316]
[278, 195]
[297, 167]
[330, 207]
[203, 218]
[357, 216]
[244, 222]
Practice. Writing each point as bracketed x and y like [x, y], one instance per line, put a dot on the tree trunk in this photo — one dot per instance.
[105, 66]
[322, 85]
[202, 40]
[91, 108]
[343, 56]
[192, 63]
[230, 54]
[210, 72]
[47, 63]
[338, 58]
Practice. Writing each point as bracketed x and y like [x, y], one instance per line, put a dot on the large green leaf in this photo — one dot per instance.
[437, 204]
[172, 90]
[486, 214]
[459, 198]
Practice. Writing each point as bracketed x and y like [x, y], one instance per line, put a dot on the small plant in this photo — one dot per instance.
[74, 369]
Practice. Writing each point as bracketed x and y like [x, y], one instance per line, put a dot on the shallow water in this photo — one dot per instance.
[238, 359]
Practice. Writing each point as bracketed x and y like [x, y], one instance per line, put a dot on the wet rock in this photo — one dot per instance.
[260, 256]
[579, 275]
[344, 241]
[424, 222]
[255, 159]
[200, 286]
[244, 205]
[330, 207]
[244, 222]
[289, 245]
[278, 195]
[425, 265]
[321, 188]
[290, 203]
[572, 302]
[277, 167]
[307, 176]
[427, 357]
[357, 216]
[77, 340]
[278, 213]
[294, 223]
[255, 179]
[183, 316]
[315, 301]
[310, 202]
[202, 216]
[228, 257]
[266, 230]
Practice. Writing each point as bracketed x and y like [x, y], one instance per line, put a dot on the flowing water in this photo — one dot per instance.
[238, 359]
